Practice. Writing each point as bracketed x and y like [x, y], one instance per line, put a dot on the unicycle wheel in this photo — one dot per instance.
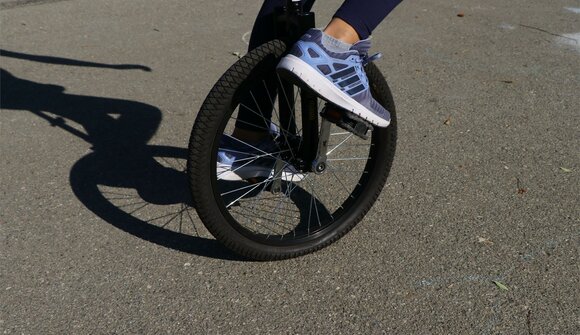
[282, 215]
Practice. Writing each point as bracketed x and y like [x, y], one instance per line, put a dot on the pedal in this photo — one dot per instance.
[346, 120]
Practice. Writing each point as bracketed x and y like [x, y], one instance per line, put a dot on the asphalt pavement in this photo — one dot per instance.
[476, 232]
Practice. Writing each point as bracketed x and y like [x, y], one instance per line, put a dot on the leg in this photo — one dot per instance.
[360, 17]
[251, 126]
[354, 20]
[331, 62]
[262, 31]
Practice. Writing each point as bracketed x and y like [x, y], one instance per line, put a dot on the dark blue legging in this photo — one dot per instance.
[363, 15]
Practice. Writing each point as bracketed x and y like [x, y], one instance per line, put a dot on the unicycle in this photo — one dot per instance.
[324, 176]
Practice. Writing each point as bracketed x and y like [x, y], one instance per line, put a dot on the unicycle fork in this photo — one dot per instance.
[291, 22]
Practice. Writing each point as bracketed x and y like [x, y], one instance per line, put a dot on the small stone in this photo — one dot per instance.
[484, 240]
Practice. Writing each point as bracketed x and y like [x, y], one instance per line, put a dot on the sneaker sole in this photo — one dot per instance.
[299, 69]
[224, 172]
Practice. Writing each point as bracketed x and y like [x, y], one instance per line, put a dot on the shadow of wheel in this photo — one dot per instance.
[144, 192]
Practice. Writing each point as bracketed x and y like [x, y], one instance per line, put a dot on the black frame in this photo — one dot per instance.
[290, 23]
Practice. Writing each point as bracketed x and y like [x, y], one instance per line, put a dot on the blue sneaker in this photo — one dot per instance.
[337, 77]
[238, 160]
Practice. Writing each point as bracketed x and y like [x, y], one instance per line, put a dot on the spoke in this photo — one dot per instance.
[274, 208]
[348, 159]
[272, 101]
[287, 193]
[245, 122]
[256, 113]
[245, 187]
[192, 222]
[338, 145]
[279, 120]
[315, 194]
[292, 109]
[314, 199]
[286, 196]
[263, 188]
[249, 217]
[236, 169]
[340, 182]
[253, 147]
[279, 214]
[180, 218]
[245, 143]
[252, 159]
[342, 133]
[285, 208]
[317, 215]
[284, 92]
[160, 217]
[135, 210]
[247, 213]
[172, 218]
[261, 199]
[141, 201]
[243, 195]
[253, 125]
[286, 96]
[266, 122]
[251, 154]
[310, 212]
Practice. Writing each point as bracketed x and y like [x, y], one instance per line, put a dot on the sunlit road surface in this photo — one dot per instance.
[476, 232]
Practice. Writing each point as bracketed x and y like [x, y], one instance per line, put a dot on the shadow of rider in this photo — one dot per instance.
[118, 131]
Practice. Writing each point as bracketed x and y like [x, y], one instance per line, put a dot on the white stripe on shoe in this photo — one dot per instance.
[326, 89]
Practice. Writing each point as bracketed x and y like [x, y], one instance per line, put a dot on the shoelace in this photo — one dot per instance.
[365, 59]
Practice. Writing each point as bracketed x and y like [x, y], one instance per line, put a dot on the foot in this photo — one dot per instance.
[338, 77]
[239, 160]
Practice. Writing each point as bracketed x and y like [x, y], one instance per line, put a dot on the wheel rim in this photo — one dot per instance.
[305, 209]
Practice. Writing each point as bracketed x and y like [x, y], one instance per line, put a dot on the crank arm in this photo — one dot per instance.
[319, 162]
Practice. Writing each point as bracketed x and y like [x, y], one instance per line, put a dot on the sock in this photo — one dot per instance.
[334, 45]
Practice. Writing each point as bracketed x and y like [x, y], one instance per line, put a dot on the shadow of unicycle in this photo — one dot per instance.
[146, 195]
[139, 188]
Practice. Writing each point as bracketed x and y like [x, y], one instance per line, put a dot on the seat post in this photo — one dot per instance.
[291, 22]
